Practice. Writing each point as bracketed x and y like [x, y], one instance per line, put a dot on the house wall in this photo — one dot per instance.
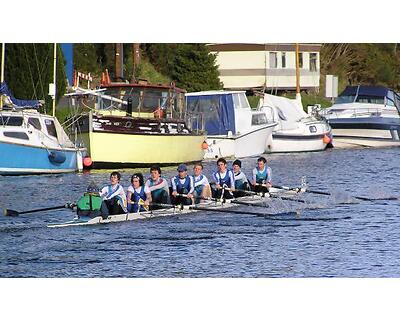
[247, 66]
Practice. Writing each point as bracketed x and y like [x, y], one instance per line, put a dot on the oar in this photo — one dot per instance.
[258, 214]
[14, 213]
[329, 194]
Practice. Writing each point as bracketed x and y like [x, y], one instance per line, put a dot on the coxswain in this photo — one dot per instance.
[182, 184]
[201, 185]
[241, 182]
[114, 197]
[261, 181]
[224, 180]
[138, 194]
[158, 186]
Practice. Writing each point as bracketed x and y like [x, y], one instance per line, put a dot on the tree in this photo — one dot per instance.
[86, 58]
[195, 69]
[29, 70]
[190, 65]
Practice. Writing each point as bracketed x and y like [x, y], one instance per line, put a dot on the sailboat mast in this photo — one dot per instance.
[3, 53]
[298, 96]
[54, 78]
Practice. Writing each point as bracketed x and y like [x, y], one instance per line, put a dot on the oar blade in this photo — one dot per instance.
[10, 213]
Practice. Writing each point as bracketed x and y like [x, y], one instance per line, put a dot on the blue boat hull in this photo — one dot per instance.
[16, 159]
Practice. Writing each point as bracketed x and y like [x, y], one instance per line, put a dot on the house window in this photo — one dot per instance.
[283, 60]
[300, 60]
[313, 61]
[273, 60]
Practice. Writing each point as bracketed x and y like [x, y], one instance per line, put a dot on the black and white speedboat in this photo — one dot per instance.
[365, 116]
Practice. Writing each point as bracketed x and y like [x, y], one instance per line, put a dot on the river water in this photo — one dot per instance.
[331, 236]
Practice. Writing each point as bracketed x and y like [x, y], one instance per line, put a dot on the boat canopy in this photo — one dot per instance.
[18, 103]
[369, 94]
[216, 109]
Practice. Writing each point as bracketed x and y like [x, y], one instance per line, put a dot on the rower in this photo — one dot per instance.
[138, 192]
[241, 182]
[261, 176]
[114, 197]
[158, 186]
[201, 185]
[224, 180]
[182, 184]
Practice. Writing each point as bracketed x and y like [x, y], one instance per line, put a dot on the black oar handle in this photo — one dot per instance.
[13, 213]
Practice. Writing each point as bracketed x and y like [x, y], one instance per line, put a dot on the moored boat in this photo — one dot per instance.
[296, 131]
[33, 143]
[137, 124]
[365, 116]
[233, 129]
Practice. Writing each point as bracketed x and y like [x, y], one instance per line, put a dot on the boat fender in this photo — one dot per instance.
[326, 139]
[87, 162]
[57, 157]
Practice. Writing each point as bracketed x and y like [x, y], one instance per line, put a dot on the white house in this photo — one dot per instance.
[273, 66]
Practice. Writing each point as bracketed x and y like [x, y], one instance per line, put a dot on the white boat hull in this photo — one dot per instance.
[295, 143]
[361, 138]
[239, 146]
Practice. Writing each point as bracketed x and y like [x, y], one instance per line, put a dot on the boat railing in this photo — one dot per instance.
[358, 113]
[269, 113]
[195, 122]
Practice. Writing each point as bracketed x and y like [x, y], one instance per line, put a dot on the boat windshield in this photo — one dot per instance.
[362, 99]
[144, 100]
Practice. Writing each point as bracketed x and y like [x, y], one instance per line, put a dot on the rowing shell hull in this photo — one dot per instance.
[166, 212]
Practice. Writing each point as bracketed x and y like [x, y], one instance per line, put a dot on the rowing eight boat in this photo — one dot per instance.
[171, 210]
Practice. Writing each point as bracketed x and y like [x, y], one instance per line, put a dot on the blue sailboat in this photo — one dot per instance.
[32, 142]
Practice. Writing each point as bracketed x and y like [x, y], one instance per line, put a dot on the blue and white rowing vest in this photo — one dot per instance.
[226, 181]
[135, 197]
[262, 176]
[182, 188]
[198, 190]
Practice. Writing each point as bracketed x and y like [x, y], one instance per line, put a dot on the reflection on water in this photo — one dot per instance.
[319, 236]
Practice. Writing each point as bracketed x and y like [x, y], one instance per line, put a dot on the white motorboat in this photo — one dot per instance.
[296, 131]
[365, 116]
[233, 129]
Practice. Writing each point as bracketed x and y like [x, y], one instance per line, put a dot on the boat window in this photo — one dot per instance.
[313, 129]
[145, 99]
[281, 114]
[35, 123]
[345, 99]
[17, 135]
[259, 118]
[240, 100]
[390, 98]
[51, 128]
[11, 121]
[370, 99]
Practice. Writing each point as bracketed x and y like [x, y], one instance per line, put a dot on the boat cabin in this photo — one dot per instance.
[369, 95]
[142, 100]
[223, 112]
